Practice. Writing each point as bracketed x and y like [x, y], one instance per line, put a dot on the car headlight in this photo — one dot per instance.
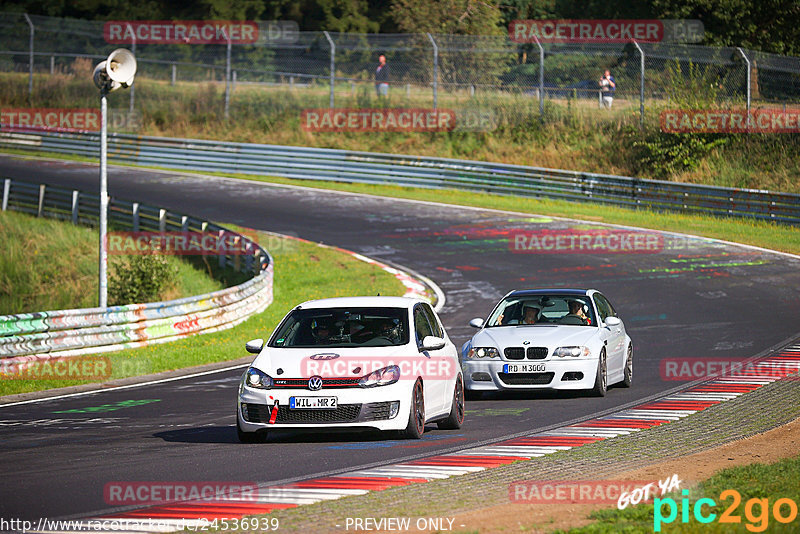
[381, 377]
[257, 379]
[483, 352]
[575, 352]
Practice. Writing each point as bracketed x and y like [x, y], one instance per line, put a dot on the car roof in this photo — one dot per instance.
[356, 302]
[550, 291]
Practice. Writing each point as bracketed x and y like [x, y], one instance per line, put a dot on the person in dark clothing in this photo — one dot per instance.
[382, 77]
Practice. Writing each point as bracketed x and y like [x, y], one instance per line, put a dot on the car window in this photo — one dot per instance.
[421, 325]
[548, 308]
[603, 307]
[435, 326]
[342, 327]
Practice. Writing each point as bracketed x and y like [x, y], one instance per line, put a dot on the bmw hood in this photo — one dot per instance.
[550, 336]
[328, 362]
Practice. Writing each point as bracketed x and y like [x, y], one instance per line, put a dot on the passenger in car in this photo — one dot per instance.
[576, 315]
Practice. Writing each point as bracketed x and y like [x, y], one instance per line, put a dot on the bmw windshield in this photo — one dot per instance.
[535, 310]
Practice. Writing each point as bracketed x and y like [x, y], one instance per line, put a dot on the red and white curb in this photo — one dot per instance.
[195, 514]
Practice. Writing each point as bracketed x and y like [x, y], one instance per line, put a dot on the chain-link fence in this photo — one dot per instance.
[516, 81]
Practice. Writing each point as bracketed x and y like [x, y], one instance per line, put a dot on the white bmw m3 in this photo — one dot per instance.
[549, 339]
[384, 363]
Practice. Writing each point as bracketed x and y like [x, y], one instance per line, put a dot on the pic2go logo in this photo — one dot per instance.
[756, 511]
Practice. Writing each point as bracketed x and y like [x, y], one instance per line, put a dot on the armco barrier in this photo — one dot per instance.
[415, 171]
[72, 332]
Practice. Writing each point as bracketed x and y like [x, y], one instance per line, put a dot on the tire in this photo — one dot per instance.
[259, 436]
[627, 379]
[416, 415]
[456, 417]
[601, 379]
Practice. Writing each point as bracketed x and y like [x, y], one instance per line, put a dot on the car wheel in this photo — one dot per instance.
[259, 436]
[456, 417]
[601, 380]
[416, 416]
[627, 379]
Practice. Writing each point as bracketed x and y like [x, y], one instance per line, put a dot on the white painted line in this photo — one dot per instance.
[400, 473]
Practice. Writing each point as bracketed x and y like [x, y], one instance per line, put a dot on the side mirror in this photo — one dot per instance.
[432, 343]
[254, 346]
[613, 321]
[477, 322]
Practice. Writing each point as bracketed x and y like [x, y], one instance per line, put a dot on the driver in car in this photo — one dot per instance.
[576, 312]
[322, 333]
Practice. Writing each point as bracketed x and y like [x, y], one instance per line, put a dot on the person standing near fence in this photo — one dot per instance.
[382, 77]
[608, 86]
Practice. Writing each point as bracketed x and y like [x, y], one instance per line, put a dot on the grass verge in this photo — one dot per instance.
[759, 487]
[303, 271]
[47, 264]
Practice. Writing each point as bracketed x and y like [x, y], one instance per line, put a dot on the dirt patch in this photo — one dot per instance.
[766, 448]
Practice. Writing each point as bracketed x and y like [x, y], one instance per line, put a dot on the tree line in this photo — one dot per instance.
[767, 25]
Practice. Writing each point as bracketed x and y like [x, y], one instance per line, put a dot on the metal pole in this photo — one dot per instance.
[641, 83]
[133, 51]
[103, 300]
[227, 74]
[333, 65]
[435, 72]
[541, 77]
[174, 74]
[30, 58]
[747, 62]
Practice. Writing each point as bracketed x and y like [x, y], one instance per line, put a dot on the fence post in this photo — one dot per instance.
[541, 78]
[30, 58]
[233, 82]
[52, 65]
[435, 72]
[6, 191]
[184, 223]
[641, 83]
[227, 73]
[162, 220]
[75, 196]
[174, 73]
[747, 64]
[41, 200]
[135, 214]
[333, 65]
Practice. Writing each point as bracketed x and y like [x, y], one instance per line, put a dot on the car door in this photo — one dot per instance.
[615, 348]
[433, 360]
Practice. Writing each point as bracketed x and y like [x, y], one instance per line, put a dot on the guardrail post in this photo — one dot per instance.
[41, 200]
[6, 191]
[204, 226]
[184, 223]
[641, 83]
[162, 220]
[75, 196]
[135, 214]
[220, 235]
[435, 71]
[333, 66]
[30, 58]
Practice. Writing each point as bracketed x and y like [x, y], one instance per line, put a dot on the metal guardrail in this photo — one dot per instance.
[93, 330]
[417, 171]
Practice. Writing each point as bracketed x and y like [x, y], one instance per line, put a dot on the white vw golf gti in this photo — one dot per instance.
[384, 363]
[551, 339]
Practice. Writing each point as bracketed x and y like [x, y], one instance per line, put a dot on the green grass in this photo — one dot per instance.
[47, 264]
[303, 271]
[754, 481]
[575, 135]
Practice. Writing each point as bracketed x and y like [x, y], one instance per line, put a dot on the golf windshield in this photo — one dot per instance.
[343, 327]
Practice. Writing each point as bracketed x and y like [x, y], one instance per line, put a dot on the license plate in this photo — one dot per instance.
[312, 403]
[523, 368]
